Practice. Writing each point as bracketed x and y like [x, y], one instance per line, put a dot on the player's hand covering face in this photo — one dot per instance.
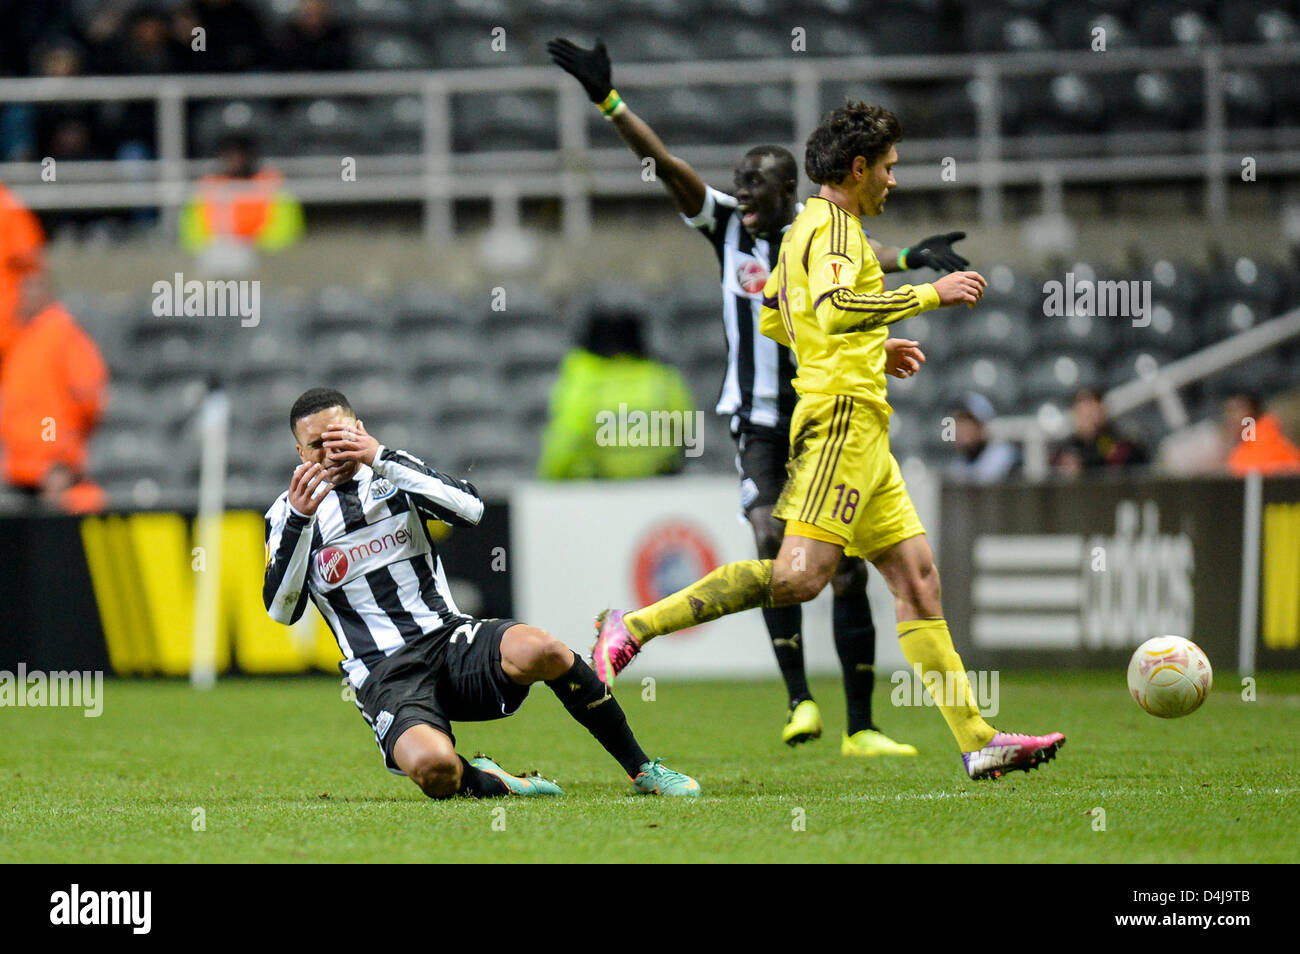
[337, 462]
[349, 444]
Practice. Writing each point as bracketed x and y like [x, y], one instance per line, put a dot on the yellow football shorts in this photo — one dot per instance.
[842, 483]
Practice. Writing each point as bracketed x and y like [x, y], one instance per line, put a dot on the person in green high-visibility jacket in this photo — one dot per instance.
[617, 413]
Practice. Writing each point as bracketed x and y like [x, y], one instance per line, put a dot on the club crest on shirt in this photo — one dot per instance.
[381, 489]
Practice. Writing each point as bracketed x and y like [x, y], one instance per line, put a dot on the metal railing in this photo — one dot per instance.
[575, 172]
[1159, 385]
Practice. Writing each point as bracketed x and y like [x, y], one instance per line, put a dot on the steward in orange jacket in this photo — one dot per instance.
[52, 393]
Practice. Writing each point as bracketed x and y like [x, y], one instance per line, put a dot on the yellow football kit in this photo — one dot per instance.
[826, 301]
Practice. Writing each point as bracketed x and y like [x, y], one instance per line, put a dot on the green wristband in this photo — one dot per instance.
[902, 259]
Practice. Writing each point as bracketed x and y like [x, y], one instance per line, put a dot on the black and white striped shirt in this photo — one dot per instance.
[366, 558]
[758, 386]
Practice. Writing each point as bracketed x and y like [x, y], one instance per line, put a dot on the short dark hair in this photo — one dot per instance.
[313, 400]
[786, 167]
[613, 331]
[854, 129]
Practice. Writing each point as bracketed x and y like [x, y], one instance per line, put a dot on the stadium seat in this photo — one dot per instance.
[1248, 102]
[466, 46]
[634, 40]
[992, 329]
[212, 121]
[1057, 375]
[995, 378]
[338, 308]
[1152, 101]
[1246, 279]
[1073, 26]
[1133, 365]
[1171, 329]
[503, 121]
[342, 354]
[765, 113]
[394, 125]
[392, 49]
[395, 15]
[530, 350]
[1258, 21]
[447, 356]
[1172, 23]
[746, 39]
[1015, 291]
[326, 126]
[1078, 333]
[834, 94]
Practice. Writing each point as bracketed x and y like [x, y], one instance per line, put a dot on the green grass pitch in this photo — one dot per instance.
[285, 770]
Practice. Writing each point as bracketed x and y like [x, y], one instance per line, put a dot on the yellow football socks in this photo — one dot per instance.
[730, 588]
[927, 645]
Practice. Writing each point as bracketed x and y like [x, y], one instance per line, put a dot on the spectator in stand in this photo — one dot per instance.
[609, 368]
[67, 130]
[980, 460]
[1255, 438]
[52, 392]
[1096, 445]
[236, 35]
[241, 209]
[142, 44]
[313, 41]
[22, 250]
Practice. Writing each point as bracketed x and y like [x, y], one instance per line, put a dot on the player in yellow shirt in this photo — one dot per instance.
[844, 493]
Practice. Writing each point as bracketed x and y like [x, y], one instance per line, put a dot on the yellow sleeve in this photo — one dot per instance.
[835, 259]
[770, 322]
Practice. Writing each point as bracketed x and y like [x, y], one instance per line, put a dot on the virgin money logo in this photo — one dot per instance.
[752, 276]
[332, 564]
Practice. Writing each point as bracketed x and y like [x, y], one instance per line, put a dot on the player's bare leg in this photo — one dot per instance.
[908, 567]
[429, 759]
[530, 655]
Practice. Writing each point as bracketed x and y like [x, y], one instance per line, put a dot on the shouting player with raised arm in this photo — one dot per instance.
[757, 394]
[350, 533]
[844, 494]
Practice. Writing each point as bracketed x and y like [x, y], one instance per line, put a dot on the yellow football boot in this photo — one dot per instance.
[869, 743]
[804, 724]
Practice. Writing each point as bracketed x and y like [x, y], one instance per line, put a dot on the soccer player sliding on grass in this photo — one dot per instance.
[350, 533]
[757, 394]
[844, 493]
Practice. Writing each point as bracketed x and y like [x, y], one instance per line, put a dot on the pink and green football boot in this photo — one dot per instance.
[614, 648]
[1010, 752]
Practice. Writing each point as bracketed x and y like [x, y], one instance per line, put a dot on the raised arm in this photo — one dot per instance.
[436, 495]
[591, 68]
[935, 252]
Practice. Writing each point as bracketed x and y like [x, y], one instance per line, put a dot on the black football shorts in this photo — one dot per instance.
[446, 677]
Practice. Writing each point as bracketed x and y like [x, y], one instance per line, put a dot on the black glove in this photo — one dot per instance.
[588, 67]
[936, 252]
